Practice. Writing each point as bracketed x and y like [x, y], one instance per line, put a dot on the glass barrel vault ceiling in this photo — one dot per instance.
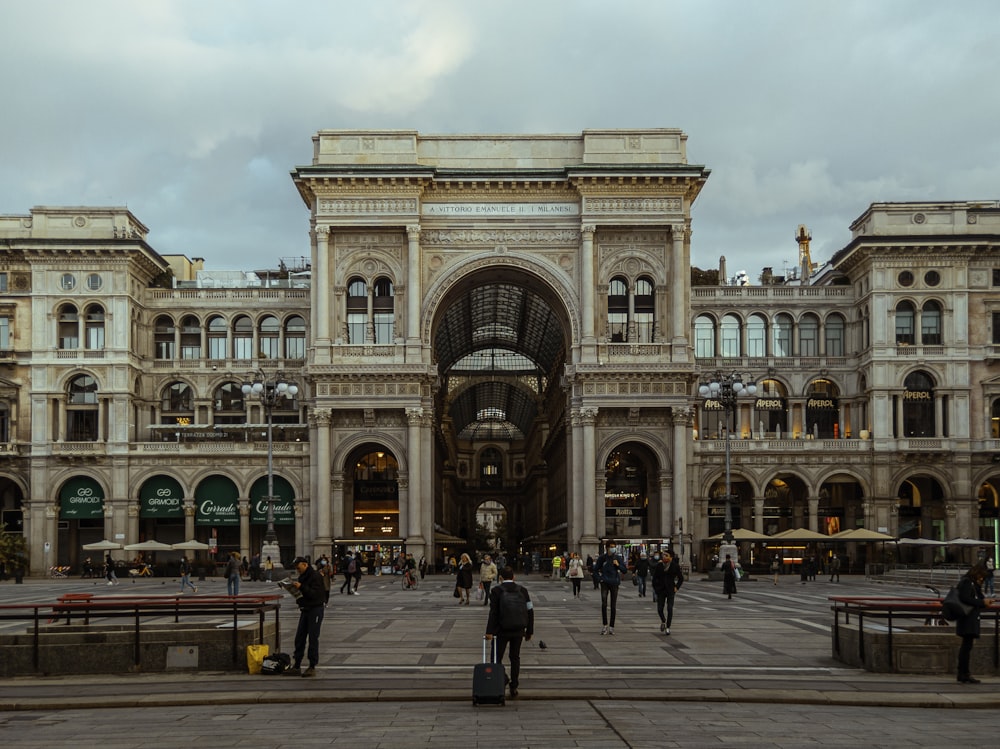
[496, 346]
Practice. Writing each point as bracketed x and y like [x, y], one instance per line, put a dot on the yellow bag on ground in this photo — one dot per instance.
[255, 657]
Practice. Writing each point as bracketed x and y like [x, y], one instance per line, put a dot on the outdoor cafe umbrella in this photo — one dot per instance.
[148, 546]
[800, 534]
[919, 542]
[741, 534]
[861, 534]
[104, 545]
[967, 542]
[191, 545]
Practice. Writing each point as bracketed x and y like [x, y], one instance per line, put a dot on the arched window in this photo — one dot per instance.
[243, 338]
[295, 338]
[704, 337]
[645, 310]
[268, 338]
[809, 335]
[782, 335]
[904, 323]
[930, 324]
[995, 419]
[771, 408]
[190, 338]
[757, 336]
[822, 410]
[94, 326]
[4, 422]
[618, 310]
[82, 409]
[218, 332]
[384, 312]
[918, 405]
[229, 407]
[357, 310]
[835, 335]
[177, 403]
[490, 468]
[69, 327]
[730, 336]
[163, 337]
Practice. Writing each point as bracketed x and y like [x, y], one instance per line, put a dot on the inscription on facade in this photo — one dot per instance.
[487, 210]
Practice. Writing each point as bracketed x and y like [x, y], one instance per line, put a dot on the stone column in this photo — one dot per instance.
[425, 499]
[244, 507]
[321, 492]
[758, 512]
[587, 283]
[679, 270]
[189, 515]
[682, 419]
[409, 515]
[321, 285]
[813, 514]
[593, 516]
[337, 487]
[413, 291]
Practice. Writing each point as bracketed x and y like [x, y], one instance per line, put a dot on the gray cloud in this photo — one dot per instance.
[193, 113]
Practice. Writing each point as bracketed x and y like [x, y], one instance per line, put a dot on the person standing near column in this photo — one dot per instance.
[609, 567]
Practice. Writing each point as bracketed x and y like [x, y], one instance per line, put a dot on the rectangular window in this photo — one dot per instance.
[295, 348]
[996, 327]
[164, 350]
[242, 348]
[644, 327]
[834, 341]
[356, 322]
[217, 348]
[618, 327]
[5, 333]
[383, 327]
[996, 276]
[190, 352]
[808, 345]
[3, 282]
[95, 338]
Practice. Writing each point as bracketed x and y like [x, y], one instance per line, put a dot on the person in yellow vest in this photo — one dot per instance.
[556, 566]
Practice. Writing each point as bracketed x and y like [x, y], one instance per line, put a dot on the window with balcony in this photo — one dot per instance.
[218, 334]
[730, 336]
[243, 338]
[269, 336]
[809, 336]
[704, 337]
[783, 335]
[384, 311]
[82, 409]
[69, 327]
[190, 338]
[228, 404]
[918, 405]
[163, 338]
[835, 335]
[930, 324]
[756, 336]
[4, 333]
[645, 310]
[357, 310]
[94, 327]
[295, 338]
[618, 310]
[905, 324]
[3, 283]
[177, 404]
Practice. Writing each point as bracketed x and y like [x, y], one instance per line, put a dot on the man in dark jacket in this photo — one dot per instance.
[667, 580]
[506, 623]
[311, 609]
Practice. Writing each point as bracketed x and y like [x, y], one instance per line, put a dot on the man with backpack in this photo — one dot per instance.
[609, 567]
[511, 621]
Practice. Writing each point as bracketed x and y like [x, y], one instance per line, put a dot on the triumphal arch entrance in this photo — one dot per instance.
[499, 322]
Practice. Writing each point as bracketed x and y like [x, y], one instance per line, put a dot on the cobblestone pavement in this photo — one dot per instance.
[395, 670]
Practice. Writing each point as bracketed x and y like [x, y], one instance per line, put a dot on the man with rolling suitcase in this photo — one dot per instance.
[511, 621]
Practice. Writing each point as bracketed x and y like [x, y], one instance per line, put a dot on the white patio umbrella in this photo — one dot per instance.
[741, 534]
[149, 546]
[104, 545]
[919, 542]
[191, 545]
[967, 542]
[800, 534]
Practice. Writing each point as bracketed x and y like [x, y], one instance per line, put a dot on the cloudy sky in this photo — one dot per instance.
[193, 112]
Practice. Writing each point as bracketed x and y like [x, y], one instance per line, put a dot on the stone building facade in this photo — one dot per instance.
[495, 319]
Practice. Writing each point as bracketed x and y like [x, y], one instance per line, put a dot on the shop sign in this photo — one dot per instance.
[81, 499]
[821, 404]
[624, 512]
[161, 497]
[217, 512]
[284, 511]
[769, 404]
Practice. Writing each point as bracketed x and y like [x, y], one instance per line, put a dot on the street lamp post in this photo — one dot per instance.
[726, 389]
[270, 392]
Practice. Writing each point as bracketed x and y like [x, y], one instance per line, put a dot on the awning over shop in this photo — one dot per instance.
[217, 502]
[284, 502]
[161, 497]
[81, 498]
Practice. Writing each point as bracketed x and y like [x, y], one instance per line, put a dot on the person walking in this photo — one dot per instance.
[970, 592]
[642, 572]
[268, 568]
[348, 566]
[359, 570]
[233, 573]
[775, 567]
[667, 580]
[556, 566]
[487, 574]
[325, 570]
[835, 568]
[729, 576]
[109, 569]
[609, 567]
[311, 609]
[592, 567]
[988, 582]
[185, 570]
[511, 621]
[463, 579]
[574, 571]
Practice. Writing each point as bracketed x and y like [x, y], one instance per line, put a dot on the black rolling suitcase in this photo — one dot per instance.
[488, 679]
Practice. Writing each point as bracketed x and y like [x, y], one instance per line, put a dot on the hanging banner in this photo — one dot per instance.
[217, 502]
[284, 502]
[161, 497]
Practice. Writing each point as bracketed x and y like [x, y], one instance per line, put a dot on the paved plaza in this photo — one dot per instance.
[396, 671]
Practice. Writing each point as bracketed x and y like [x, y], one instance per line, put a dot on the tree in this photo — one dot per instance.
[13, 549]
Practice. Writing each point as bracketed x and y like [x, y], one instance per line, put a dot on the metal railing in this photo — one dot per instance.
[889, 609]
[84, 607]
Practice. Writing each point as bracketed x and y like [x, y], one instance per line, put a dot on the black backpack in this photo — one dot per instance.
[277, 663]
[513, 609]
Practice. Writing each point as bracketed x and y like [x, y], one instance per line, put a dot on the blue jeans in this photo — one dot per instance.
[642, 585]
[186, 582]
[310, 621]
[233, 585]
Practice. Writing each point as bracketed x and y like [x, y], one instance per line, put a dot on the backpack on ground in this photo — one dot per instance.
[277, 663]
[513, 609]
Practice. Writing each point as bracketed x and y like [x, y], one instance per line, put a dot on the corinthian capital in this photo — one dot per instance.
[678, 231]
[587, 231]
[413, 231]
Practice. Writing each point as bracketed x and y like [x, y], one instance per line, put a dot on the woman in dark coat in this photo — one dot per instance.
[970, 591]
[729, 577]
[463, 579]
